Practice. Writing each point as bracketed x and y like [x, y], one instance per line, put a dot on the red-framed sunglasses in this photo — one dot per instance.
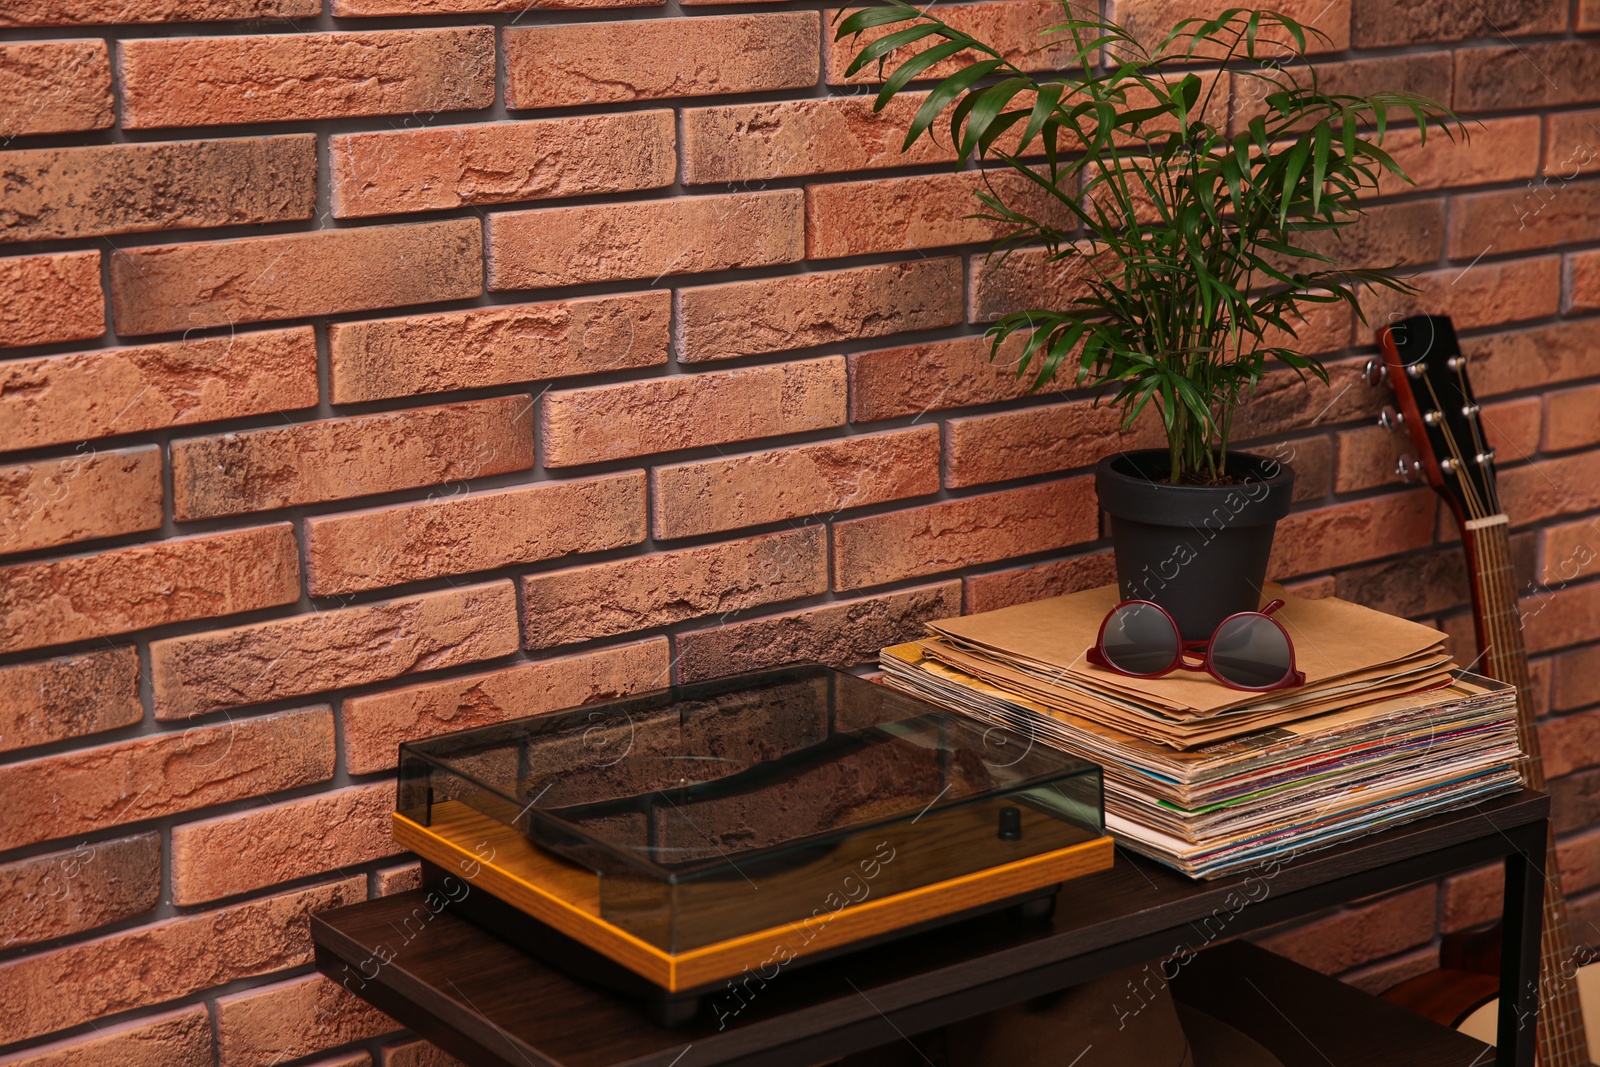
[1248, 650]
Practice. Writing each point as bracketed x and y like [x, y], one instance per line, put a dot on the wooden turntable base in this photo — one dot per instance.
[490, 856]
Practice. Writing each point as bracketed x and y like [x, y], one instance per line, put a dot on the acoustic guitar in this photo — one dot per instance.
[1423, 364]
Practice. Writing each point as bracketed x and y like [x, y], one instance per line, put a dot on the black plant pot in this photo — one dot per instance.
[1200, 551]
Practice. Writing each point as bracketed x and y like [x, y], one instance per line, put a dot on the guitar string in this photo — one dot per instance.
[1558, 1038]
[1563, 1039]
[1555, 990]
[1564, 1032]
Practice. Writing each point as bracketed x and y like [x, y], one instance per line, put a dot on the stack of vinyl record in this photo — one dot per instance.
[1211, 779]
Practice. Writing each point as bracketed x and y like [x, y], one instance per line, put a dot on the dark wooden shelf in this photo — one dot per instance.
[493, 1005]
[1307, 1019]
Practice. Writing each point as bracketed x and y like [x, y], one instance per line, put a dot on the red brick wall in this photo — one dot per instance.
[367, 377]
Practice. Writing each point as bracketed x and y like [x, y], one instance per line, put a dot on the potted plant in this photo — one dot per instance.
[1199, 248]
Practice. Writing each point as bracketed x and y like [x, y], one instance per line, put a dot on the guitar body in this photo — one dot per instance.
[1423, 363]
[1470, 1001]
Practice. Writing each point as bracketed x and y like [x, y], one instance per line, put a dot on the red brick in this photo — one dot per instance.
[124, 589]
[419, 1053]
[208, 81]
[1471, 899]
[1571, 142]
[842, 634]
[459, 534]
[1014, 29]
[48, 298]
[1426, 73]
[53, 502]
[255, 470]
[931, 211]
[1533, 217]
[1474, 898]
[708, 496]
[164, 961]
[161, 774]
[124, 12]
[368, 8]
[608, 422]
[1570, 552]
[1149, 21]
[1560, 352]
[402, 879]
[1308, 542]
[1502, 150]
[1484, 294]
[1378, 978]
[1039, 440]
[1369, 456]
[1574, 806]
[220, 283]
[1554, 619]
[652, 59]
[1573, 418]
[1026, 279]
[70, 696]
[386, 172]
[497, 345]
[746, 142]
[1517, 76]
[332, 649]
[54, 87]
[376, 724]
[644, 591]
[271, 1024]
[1460, 643]
[357, 1058]
[1584, 290]
[959, 533]
[1023, 585]
[1379, 23]
[1575, 678]
[1571, 743]
[48, 193]
[1317, 588]
[644, 239]
[232, 854]
[1387, 235]
[914, 379]
[1588, 15]
[1537, 491]
[181, 1038]
[57, 399]
[802, 310]
[1418, 585]
[1357, 935]
[1579, 859]
[1312, 461]
[1285, 403]
[1540, 673]
[64, 893]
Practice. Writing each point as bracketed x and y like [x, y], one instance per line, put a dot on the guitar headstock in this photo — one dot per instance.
[1423, 362]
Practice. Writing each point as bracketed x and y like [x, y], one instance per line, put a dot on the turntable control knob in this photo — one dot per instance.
[1010, 824]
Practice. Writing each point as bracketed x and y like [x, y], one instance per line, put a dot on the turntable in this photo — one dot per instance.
[668, 843]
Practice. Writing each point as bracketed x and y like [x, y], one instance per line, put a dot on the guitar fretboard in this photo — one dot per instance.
[1563, 1038]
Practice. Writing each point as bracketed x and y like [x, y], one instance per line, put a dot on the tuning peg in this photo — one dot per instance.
[1408, 469]
[1391, 420]
[1375, 373]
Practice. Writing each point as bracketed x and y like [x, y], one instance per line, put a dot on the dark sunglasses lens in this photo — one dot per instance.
[1250, 651]
[1140, 639]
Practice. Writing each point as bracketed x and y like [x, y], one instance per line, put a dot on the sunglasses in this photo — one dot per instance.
[1249, 650]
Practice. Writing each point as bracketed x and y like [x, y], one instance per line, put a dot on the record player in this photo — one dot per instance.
[668, 843]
